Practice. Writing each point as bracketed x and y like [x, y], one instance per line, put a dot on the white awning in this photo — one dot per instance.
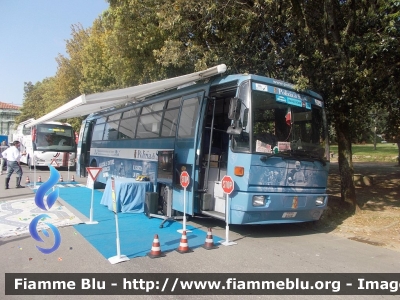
[87, 104]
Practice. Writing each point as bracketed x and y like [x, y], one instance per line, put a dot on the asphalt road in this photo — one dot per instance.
[259, 249]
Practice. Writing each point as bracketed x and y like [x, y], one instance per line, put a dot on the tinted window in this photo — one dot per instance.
[169, 122]
[150, 121]
[98, 132]
[111, 127]
[187, 123]
[127, 128]
[149, 126]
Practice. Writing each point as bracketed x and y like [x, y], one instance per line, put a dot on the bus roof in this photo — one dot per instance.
[267, 80]
[24, 123]
[86, 104]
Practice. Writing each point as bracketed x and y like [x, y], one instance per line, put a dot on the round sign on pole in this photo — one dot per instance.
[185, 179]
[227, 184]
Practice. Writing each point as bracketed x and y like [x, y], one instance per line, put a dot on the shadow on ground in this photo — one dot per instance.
[379, 205]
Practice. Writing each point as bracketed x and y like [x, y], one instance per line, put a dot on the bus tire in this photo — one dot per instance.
[28, 162]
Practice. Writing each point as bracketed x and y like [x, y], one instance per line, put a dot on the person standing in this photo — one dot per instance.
[13, 156]
[3, 147]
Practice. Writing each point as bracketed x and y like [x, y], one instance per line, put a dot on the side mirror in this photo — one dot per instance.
[234, 130]
[234, 109]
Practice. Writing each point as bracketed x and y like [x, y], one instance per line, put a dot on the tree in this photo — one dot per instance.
[69, 74]
[97, 75]
[343, 49]
[392, 128]
[351, 63]
[38, 98]
[346, 50]
[134, 35]
[70, 78]
[31, 102]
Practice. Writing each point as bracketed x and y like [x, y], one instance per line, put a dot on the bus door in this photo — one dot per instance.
[214, 154]
[185, 152]
[83, 149]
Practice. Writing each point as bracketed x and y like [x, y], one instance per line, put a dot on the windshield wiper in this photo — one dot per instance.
[294, 155]
[308, 155]
[283, 154]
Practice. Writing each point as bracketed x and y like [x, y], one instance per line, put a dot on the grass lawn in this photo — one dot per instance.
[384, 152]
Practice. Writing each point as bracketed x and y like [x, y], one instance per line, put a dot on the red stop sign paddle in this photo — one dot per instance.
[227, 184]
[185, 179]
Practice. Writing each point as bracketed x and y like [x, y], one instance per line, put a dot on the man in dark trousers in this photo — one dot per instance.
[13, 156]
[3, 162]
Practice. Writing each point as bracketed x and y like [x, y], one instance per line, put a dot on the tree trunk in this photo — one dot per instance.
[398, 147]
[346, 170]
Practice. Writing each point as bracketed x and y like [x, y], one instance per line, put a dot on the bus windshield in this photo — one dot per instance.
[283, 125]
[52, 137]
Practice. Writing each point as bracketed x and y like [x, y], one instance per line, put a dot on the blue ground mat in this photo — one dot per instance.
[136, 231]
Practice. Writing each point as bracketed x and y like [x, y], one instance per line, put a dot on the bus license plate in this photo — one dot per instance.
[289, 214]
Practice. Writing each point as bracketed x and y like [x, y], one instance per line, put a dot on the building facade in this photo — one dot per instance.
[8, 112]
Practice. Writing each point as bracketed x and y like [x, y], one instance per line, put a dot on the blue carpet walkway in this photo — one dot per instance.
[136, 231]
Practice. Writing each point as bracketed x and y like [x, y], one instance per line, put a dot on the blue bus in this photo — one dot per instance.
[268, 137]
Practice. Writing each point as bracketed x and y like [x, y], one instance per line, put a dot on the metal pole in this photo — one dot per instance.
[34, 170]
[118, 246]
[91, 209]
[227, 242]
[184, 214]
[184, 209]
[91, 205]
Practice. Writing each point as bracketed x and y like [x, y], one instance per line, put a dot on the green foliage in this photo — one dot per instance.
[132, 36]
[387, 152]
[32, 100]
[345, 50]
[40, 98]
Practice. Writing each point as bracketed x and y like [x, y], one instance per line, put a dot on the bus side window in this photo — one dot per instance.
[187, 121]
[169, 122]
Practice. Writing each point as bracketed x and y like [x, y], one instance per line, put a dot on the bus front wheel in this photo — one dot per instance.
[28, 163]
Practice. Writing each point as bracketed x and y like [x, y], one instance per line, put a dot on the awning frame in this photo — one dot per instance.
[87, 104]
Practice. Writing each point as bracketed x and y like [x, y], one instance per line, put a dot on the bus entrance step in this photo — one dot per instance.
[214, 214]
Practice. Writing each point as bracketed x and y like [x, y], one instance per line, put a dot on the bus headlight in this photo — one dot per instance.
[258, 200]
[319, 201]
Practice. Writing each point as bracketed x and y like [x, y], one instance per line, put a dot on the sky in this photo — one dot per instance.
[32, 34]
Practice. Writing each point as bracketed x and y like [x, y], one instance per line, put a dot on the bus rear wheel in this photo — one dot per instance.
[28, 163]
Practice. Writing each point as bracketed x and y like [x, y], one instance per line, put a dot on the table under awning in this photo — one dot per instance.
[130, 194]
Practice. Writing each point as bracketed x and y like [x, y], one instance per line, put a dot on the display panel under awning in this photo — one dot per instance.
[87, 104]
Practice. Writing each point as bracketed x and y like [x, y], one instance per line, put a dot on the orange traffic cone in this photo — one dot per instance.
[61, 179]
[27, 181]
[39, 179]
[209, 243]
[155, 249]
[183, 245]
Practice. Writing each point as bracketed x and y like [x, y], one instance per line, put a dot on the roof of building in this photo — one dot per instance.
[9, 106]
